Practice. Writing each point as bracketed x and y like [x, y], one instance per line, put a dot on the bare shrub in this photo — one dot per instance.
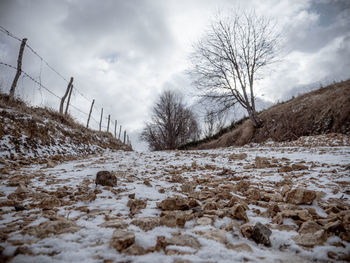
[172, 123]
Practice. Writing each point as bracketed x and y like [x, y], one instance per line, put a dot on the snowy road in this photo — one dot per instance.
[213, 200]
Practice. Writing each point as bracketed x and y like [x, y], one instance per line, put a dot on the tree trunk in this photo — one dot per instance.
[253, 116]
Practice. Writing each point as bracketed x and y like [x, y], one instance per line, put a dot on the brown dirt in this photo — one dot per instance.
[323, 111]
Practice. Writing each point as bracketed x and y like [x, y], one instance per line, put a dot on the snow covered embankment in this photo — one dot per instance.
[24, 135]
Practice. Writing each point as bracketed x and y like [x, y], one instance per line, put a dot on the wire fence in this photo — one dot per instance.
[100, 122]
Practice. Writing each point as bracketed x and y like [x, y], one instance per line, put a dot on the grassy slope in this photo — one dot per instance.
[45, 131]
[326, 110]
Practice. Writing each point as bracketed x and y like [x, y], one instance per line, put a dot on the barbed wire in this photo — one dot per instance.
[31, 78]
[4, 30]
[39, 83]
[46, 63]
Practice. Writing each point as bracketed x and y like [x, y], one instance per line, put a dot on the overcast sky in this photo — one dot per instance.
[124, 53]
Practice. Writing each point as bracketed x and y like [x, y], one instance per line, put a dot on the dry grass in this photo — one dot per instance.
[46, 123]
[322, 111]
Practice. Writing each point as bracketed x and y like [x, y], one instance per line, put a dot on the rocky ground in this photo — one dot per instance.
[260, 203]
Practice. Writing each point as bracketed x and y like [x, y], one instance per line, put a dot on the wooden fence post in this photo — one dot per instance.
[101, 118]
[92, 105]
[19, 69]
[115, 128]
[120, 131]
[65, 94]
[68, 101]
[109, 119]
[124, 136]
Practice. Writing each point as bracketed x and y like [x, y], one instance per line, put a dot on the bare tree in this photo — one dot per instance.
[228, 58]
[172, 123]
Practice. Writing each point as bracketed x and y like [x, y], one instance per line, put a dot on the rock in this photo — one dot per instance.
[55, 227]
[147, 182]
[242, 247]
[135, 250]
[253, 193]
[106, 178]
[174, 219]
[50, 164]
[210, 206]
[204, 195]
[285, 189]
[217, 235]
[136, 205]
[262, 162]
[193, 203]
[23, 250]
[19, 208]
[178, 260]
[242, 186]
[146, 223]
[187, 188]
[161, 243]
[197, 211]
[299, 167]
[238, 212]
[246, 230]
[276, 197]
[301, 214]
[7, 202]
[272, 210]
[114, 223]
[261, 234]
[224, 195]
[311, 239]
[309, 227]
[131, 196]
[204, 221]
[285, 169]
[237, 156]
[174, 203]
[183, 240]
[20, 193]
[49, 202]
[300, 196]
[122, 239]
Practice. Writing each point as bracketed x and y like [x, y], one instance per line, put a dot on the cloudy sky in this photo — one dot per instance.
[123, 53]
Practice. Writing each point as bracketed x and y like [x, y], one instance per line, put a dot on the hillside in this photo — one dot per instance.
[322, 111]
[32, 134]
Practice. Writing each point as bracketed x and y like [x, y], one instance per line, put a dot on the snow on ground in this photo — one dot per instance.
[65, 217]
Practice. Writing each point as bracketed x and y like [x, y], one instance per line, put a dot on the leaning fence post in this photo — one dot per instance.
[120, 131]
[68, 101]
[19, 69]
[92, 105]
[115, 128]
[65, 94]
[101, 118]
[124, 136]
[109, 118]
